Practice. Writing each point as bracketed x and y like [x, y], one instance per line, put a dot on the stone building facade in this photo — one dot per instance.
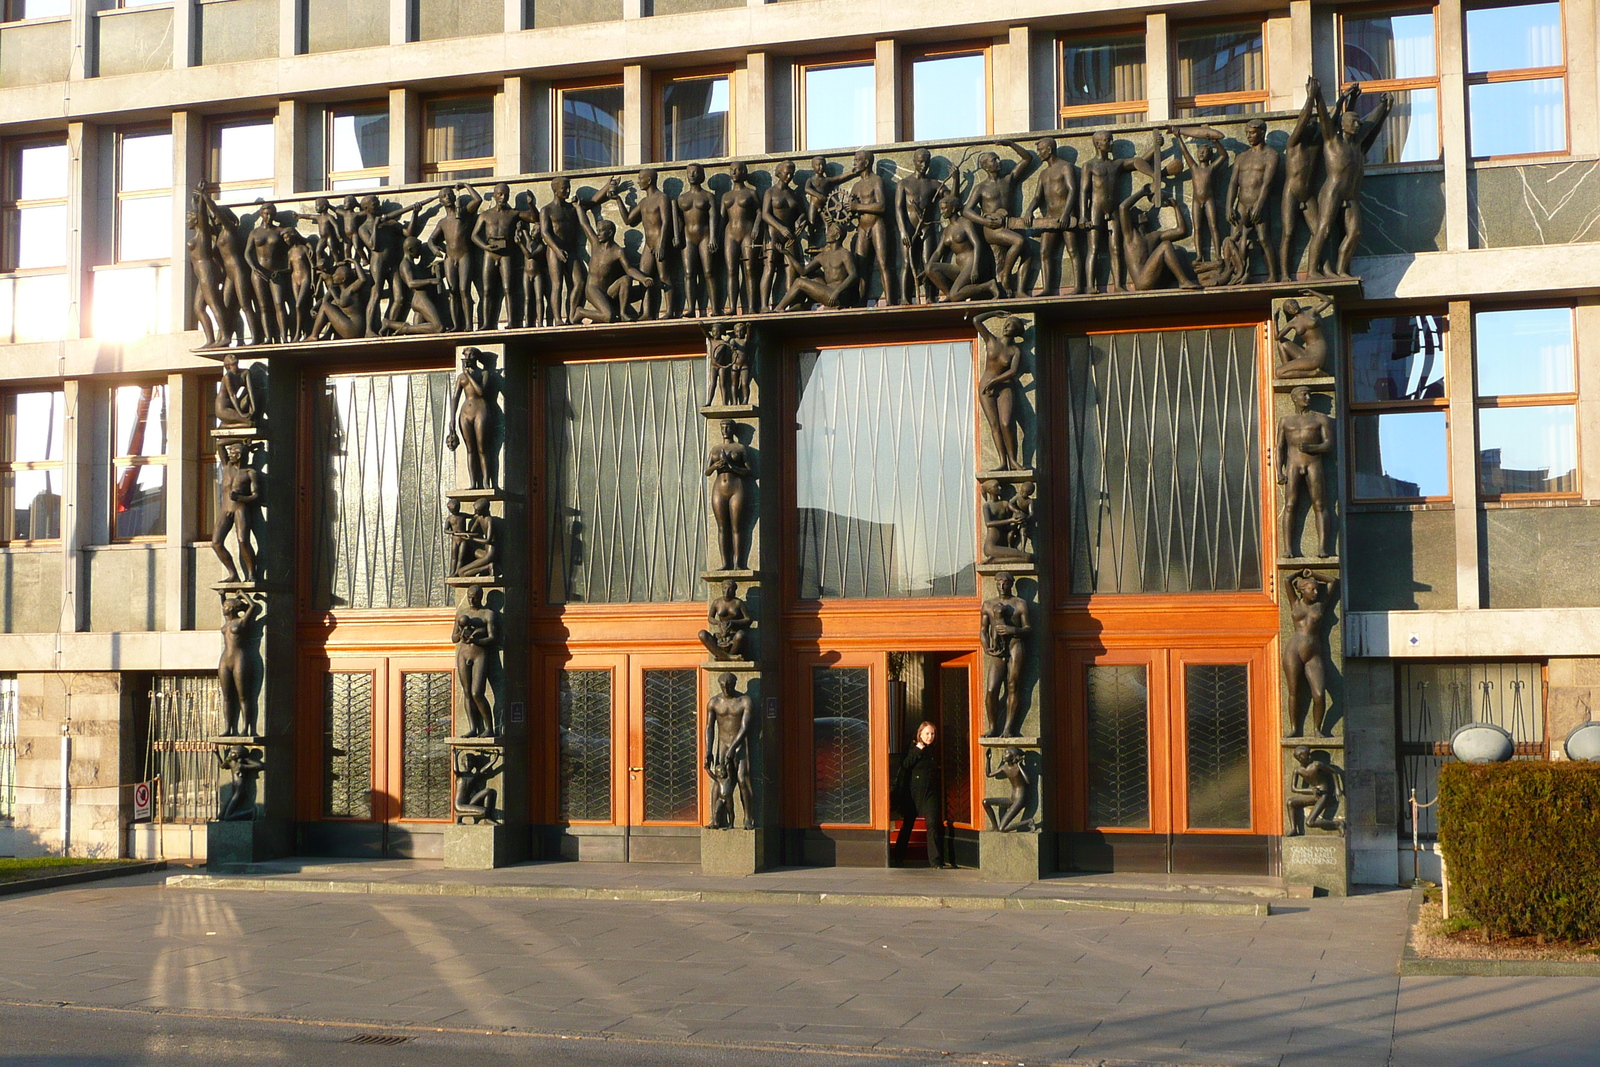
[1152, 720]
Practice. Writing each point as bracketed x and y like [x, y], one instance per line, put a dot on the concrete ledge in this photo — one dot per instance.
[977, 902]
[91, 874]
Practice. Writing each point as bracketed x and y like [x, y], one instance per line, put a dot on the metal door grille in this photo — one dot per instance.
[425, 748]
[1217, 730]
[671, 746]
[1163, 454]
[1435, 699]
[347, 745]
[1118, 709]
[584, 727]
[841, 745]
[185, 713]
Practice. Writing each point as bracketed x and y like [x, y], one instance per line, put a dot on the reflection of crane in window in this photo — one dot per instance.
[128, 482]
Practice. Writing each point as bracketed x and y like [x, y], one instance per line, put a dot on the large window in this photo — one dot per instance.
[144, 195]
[949, 93]
[30, 465]
[1516, 80]
[16, 10]
[1527, 402]
[590, 126]
[696, 118]
[1394, 52]
[139, 462]
[358, 147]
[241, 158]
[1220, 71]
[625, 458]
[838, 104]
[458, 138]
[884, 454]
[1163, 454]
[1400, 438]
[1102, 80]
[33, 206]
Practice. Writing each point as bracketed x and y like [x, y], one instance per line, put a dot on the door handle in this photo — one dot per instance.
[636, 769]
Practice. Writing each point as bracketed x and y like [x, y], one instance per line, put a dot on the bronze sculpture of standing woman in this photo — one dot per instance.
[997, 385]
[728, 467]
[474, 415]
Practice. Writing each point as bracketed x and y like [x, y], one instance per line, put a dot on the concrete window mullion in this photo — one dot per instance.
[291, 27]
[1158, 66]
[188, 168]
[183, 423]
[183, 33]
[83, 217]
[1453, 122]
[1459, 380]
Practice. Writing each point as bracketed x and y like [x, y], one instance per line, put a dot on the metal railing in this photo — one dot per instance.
[185, 713]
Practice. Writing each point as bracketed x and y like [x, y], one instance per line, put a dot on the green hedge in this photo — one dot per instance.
[1522, 841]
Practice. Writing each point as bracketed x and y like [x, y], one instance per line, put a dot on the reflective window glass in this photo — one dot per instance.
[139, 417]
[591, 127]
[1220, 61]
[146, 162]
[38, 9]
[949, 97]
[694, 118]
[31, 466]
[458, 129]
[840, 109]
[35, 504]
[1102, 71]
[1523, 352]
[41, 236]
[1517, 117]
[139, 504]
[1411, 134]
[1397, 357]
[38, 428]
[1513, 37]
[1401, 455]
[1389, 47]
[360, 140]
[244, 152]
[144, 228]
[42, 172]
[1528, 450]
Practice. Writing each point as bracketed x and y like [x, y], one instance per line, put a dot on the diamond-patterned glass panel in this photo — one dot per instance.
[1164, 461]
[1217, 714]
[381, 476]
[583, 725]
[884, 452]
[1119, 744]
[627, 501]
[425, 751]
[841, 745]
[955, 738]
[1438, 698]
[671, 746]
[347, 745]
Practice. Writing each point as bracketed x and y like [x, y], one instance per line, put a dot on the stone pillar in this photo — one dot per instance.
[488, 579]
[511, 135]
[89, 710]
[1158, 66]
[1012, 587]
[890, 90]
[739, 638]
[405, 136]
[1306, 435]
[638, 117]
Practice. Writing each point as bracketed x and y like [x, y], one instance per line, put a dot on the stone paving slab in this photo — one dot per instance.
[799, 887]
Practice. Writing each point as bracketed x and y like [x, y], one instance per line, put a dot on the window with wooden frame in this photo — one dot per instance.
[589, 117]
[1395, 51]
[458, 138]
[696, 112]
[1219, 70]
[139, 462]
[1527, 401]
[1516, 80]
[33, 206]
[34, 429]
[837, 102]
[1103, 80]
[144, 195]
[947, 92]
[1399, 410]
[357, 146]
[240, 158]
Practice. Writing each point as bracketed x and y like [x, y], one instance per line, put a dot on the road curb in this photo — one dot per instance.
[1255, 908]
[1415, 966]
[92, 874]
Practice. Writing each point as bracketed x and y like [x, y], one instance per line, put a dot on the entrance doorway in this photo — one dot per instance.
[381, 757]
[864, 709]
[1174, 761]
[626, 756]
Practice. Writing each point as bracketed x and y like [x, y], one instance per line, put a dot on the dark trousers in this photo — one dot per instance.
[926, 806]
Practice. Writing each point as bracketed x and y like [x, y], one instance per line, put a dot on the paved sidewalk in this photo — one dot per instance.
[1316, 984]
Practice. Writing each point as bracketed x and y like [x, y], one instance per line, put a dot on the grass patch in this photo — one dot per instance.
[12, 870]
[1436, 937]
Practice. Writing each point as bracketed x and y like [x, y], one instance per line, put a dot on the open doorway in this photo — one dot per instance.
[937, 688]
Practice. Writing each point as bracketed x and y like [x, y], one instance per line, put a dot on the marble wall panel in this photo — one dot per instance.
[1401, 560]
[1537, 204]
[134, 41]
[1539, 557]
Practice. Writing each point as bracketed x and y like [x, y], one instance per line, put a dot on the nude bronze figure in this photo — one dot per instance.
[989, 206]
[221, 326]
[1255, 170]
[728, 637]
[1102, 177]
[267, 253]
[1345, 143]
[998, 382]
[496, 237]
[1313, 794]
[869, 203]
[228, 245]
[1005, 813]
[728, 367]
[1003, 634]
[233, 680]
[476, 551]
[452, 241]
[817, 188]
[1301, 339]
[1304, 665]
[1204, 162]
[782, 215]
[730, 718]
[559, 222]
[244, 765]
[916, 216]
[957, 266]
[608, 286]
[415, 289]
[475, 633]
[741, 241]
[1053, 215]
[1150, 257]
[728, 467]
[237, 403]
[1002, 533]
[1304, 437]
[840, 279]
[239, 494]
[474, 797]
[697, 215]
[470, 401]
[654, 213]
[1300, 158]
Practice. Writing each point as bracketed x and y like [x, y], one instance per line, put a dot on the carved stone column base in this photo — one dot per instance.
[484, 846]
[1023, 856]
[733, 851]
[231, 845]
[1319, 859]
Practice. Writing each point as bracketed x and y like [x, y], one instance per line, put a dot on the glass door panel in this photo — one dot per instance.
[425, 717]
[583, 735]
[1117, 708]
[347, 744]
[669, 770]
[1217, 746]
[841, 739]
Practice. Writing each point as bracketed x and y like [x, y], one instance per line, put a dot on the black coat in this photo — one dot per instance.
[919, 775]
